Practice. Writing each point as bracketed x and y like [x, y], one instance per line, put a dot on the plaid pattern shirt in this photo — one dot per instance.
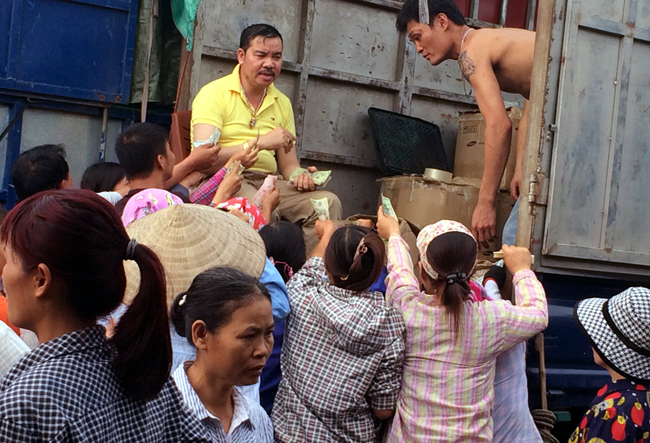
[447, 389]
[206, 192]
[342, 357]
[66, 390]
[12, 348]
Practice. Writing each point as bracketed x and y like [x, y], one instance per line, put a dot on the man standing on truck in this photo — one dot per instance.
[491, 61]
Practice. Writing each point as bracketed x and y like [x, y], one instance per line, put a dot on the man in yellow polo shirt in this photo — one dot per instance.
[245, 104]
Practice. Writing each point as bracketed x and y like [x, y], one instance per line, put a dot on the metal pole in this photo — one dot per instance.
[530, 15]
[503, 12]
[102, 138]
[473, 9]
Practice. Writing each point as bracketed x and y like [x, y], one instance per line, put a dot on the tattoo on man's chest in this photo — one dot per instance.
[466, 64]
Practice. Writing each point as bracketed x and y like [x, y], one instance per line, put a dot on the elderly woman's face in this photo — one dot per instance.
[237, 351]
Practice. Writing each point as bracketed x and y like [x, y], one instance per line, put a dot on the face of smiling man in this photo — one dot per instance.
[261, 63]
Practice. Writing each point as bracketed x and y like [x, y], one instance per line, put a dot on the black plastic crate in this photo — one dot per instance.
[406, 145]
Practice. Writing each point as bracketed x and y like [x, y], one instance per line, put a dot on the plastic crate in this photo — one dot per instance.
[406, 145]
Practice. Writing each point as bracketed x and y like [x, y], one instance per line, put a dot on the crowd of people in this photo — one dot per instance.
[184, 300]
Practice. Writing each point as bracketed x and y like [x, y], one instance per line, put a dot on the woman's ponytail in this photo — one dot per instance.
[355, 257]
[141, 338]
[453, 256]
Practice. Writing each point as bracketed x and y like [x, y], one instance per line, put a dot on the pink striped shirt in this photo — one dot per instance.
[448, 386]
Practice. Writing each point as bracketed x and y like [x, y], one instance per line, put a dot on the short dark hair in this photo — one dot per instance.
[349, 269]
[139, 146]
[103, 176]
[214, 295]
[258, 30]
[38, 169]
[411, 12]
[285, 244]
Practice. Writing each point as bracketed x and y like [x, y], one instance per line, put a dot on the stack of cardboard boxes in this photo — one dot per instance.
[425, 201]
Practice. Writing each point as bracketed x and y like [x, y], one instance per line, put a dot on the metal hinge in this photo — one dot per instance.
[538, 189]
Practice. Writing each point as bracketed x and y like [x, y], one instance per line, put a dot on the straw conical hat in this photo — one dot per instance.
[189, 239]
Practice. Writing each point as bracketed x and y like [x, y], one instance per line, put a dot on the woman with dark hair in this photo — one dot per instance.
[285, 248]
[64, 251]
[227, 316]
[343, 346]
[452, 338]
[107, 179]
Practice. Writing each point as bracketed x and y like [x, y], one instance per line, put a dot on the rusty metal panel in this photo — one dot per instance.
[346, 38]
[596, 143]
[224, 22]
[445, 76]
[80, 134]
[337, 124]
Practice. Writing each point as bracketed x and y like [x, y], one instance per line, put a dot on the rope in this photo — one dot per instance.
[544, 420]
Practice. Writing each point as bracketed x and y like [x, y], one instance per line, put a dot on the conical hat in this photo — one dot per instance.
[189, 239]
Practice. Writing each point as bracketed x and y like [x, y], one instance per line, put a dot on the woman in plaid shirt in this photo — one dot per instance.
[343, 347]
[452, 342]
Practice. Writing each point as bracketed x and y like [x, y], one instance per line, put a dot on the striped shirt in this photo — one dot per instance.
[250, 423]
[448, 386]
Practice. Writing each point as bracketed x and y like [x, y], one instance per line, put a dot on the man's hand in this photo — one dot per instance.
[304, 182]
[515, 184]
[205, 157]
[324, 228]
[279, 138]
[386, 226]
[516, 258]
[484, 222]
[247, 157]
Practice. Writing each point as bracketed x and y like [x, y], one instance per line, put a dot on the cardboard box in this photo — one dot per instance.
[425, 202]
[470, 146]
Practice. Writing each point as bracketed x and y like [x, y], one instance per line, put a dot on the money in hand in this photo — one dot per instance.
[321, 178]
[241, 169]
[214, 138]
[321, 207]
[388, 207]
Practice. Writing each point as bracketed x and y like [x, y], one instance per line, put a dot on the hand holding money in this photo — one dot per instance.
[386, 225]
[214, 138]
[388, 207]
[320, 178]
[267, 186]
[321, 207]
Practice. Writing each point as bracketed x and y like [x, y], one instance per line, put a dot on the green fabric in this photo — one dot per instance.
[165, 54]
[184, 12]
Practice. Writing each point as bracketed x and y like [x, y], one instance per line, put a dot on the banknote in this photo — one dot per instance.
[241, 169]
[214, 138]
[321, 178]
[388, 207]
[321, 207]
[268, 185]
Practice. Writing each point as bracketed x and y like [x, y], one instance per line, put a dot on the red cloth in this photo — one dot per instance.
[3, 315]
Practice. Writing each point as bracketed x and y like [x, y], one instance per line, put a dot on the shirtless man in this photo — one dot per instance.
[492, 61]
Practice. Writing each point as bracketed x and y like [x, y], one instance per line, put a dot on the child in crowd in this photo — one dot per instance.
[227, 316]
[285, 247]
[618, 330]
[107, 179]
[453, 340]
[343, 349]
[64, 251]
[147, 202]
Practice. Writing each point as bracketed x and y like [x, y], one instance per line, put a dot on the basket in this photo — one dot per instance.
[406, 145]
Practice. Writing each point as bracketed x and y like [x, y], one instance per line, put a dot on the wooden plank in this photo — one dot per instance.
[442, 95]
[338, 159]
[331, 74]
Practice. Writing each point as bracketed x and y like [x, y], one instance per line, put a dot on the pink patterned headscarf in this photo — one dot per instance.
[429, 233]
[147, 202]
